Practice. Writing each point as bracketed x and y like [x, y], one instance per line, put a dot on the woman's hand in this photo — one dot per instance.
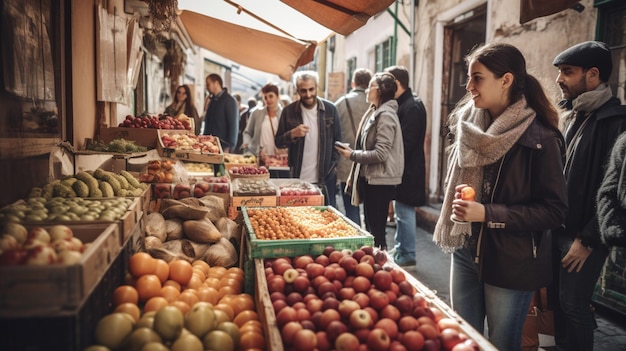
[344, 151]
[467, 210]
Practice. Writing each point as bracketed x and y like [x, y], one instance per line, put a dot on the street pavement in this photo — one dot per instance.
[432, 269]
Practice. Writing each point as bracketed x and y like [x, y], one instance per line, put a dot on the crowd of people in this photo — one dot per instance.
[549, 179]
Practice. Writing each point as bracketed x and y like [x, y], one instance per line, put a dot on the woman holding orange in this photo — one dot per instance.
[508, 148]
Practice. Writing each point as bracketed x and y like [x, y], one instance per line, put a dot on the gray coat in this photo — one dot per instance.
[252, 134]
[350, 119]
[379, 147]
[612, 197]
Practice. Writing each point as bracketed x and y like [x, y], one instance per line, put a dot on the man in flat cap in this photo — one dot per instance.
[593, 122]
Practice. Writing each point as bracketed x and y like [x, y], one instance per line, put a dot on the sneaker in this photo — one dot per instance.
[402, 260]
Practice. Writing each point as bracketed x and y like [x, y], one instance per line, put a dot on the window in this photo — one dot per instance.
[351, 66]
[383, 54]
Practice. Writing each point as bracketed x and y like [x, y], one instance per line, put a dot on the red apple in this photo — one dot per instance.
[279, 305]
[362, 299]
[290, 275]
[340, 274]
[346, 293]
[378, 300]
[407, 323]
[404, 303]
[347, 342]
[302, 261]
[380, 257]
[447, 322]
[406, 288]
[348, 263]
[368, 259]
[314, 305]
[323, 344]
[303, 314]
[413, 340]
[396, 346]
[360, 319]
[323, 260]
[361, 284]
[335, 256]
[357, 254]
[305, 339]
[334, 329]
[276, 284]
[389, 326]
[382, 280]
[368, 250]
[378, 340]
[391, 312]
[364, 269]
[287, 314]
[293, 298]
[330, 303]
[429, 331]
[397, 275]
[314, 270]
[327, 250]
[326, 287]
[449, 338]
[288, 332]
[328, 316]
[346, 307]
[301, 284]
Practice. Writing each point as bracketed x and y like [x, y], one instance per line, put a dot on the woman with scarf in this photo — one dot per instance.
[508, 147]
[378, 157]
[183, 103]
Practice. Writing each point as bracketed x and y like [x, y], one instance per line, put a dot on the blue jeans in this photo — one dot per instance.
[406, 229]
[473, 300]
[352, 212]
[574, 322]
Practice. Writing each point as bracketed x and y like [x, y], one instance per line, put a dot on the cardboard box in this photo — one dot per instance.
[188, 155]
[254, 201]
[312, 197]
[35, 290]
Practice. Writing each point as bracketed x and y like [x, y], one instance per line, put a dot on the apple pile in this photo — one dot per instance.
[298, 188]
[158, 171]
[198, 143]
[38, 246]
[351, 300]
[155, 122]
[276, 161]
[202, 188]
[249, 170]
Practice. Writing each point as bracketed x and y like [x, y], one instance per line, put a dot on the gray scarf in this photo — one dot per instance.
[479, 142]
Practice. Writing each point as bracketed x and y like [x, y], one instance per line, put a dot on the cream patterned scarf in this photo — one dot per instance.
[479, 142]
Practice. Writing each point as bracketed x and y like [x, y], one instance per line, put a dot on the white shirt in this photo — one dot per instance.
[310, 156]
[268, 131]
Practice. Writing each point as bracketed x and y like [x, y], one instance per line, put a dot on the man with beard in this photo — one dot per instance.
[591, 127]
[309, 128]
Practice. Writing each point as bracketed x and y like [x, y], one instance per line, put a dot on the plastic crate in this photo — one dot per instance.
[258, 248]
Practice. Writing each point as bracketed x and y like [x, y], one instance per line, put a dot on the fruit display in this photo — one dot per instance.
[240, 159]
[190, 142]
[39, 246]
[180, 306]
[160, 171]
[119, 145]
[38, 209]
[276, 161]
[297, 187]
[298, 223]
[155, 122]
[91, 184]
[253, 187]
[355, 300]
[198, 167]
[202, 188]
[242, 171]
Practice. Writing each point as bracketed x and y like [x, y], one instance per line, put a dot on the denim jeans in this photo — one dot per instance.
[352, 212]
[574, 322]
[330, 191]
[473, 300]
[406, 231]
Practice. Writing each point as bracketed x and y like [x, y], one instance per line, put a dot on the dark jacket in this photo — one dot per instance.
[222, 119]
[329, 132]
[412, 116]
[612, 197]
[587, 170]
[528, 199]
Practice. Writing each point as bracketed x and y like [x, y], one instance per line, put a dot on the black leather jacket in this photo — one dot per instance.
[528, 199]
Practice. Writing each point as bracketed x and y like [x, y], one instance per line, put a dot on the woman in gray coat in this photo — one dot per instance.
[378, 157]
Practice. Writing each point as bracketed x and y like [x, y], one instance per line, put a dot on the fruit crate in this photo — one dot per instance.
[272, 330]
[65, 330]
[188, 155]
[32, 290]
[258, 248]
[309, 195]
[147, 137]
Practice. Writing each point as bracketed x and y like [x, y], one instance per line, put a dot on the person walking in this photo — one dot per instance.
[222, 114]
[183, 103]
[351, 108]
[308, 128]
[508, 147]
[258, 138]
[412, 191]
[593, 122]
[378, 156]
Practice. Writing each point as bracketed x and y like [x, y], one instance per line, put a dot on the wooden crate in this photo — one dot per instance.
[147, 137]
[188, 155]
[35, 290]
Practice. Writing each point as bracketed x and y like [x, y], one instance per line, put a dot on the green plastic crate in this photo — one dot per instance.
[297, 247]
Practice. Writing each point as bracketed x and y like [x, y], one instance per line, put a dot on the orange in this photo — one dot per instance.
[162, 270]
[181, 271]
[241, 302]
[199, 273]
[181, 305]
[228, 290]
[130, 308]
[189, 297]
[202, 265]
[252, 325]
[226, 308]
[194, 282]
[252, 340]
[208, 294]
[141, 263]
[245, 316]
[217, 271]
[148, 286]
[170, 293]
[125, 293]
[174, 284]
[212, 282]
[155, 304]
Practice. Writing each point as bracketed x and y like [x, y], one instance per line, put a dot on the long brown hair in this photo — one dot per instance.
[501, 58]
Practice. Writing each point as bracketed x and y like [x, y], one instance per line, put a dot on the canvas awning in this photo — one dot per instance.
[342, 16]
[249, 47]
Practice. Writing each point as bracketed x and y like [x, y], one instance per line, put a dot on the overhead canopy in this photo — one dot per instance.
[249, 47]
[342, 16]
